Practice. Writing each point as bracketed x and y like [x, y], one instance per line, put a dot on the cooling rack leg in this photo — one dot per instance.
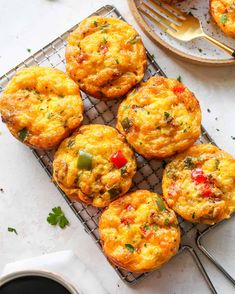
[201, 268]
[211, 258]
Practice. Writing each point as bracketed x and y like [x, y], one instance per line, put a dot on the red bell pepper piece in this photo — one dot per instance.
[206, 191]
[198, 176]
[118, 159]
[178, 89]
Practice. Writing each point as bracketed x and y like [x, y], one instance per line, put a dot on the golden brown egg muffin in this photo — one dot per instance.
[41, 106]
[139, 232]
[160, 118]
[200, 184]
[106, 57]
[95, 165]
[223, 13]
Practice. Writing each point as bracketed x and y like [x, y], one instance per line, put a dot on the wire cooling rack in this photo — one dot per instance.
[149, 172]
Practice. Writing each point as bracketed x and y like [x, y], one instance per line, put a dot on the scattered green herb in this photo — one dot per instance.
[233, 137]
[145, 245]
[117, 61]
[126, 124]
[29, 50]
[12, 230]
[105, 40]
[104, 27]
[155, 227]
[208, 110]
[160, 204]
[130, 247]
[217, 130]
[193, 215]
[224, 18]
[188, 163]
[134, 40]
[70, 143]
[57, 217]
[179, 79]
[95, 23]
[23, 134]
[146, 227]
[167, 221]
[200, 50]
[124, 170]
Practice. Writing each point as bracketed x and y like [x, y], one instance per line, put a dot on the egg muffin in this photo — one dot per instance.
[200, 184]
[139, 232]
[41, 106]
[106, 57]
[95, 165]
[159, 118]
[223, 13]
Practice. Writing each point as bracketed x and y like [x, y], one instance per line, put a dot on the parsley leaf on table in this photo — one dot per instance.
[57, 217]
[12, 230]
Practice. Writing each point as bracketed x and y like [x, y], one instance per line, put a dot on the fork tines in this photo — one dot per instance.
[164, 15]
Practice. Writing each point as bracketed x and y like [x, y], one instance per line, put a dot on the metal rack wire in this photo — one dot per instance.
[149, 172]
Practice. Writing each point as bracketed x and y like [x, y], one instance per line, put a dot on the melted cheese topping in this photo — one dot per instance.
[41, 106]
[104, 182]
[223, 13]
[106, 57]
[163, 115]
[139, 232]
[202, 200]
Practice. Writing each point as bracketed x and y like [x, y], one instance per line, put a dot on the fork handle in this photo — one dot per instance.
[221, 45]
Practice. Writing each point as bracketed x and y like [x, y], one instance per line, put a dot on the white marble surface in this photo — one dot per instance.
[28, 193]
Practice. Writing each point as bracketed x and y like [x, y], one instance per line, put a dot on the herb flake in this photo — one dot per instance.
[12, 230]
[57, 217]
[130, 248]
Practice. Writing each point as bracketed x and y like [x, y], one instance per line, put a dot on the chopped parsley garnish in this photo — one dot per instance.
[29, 50]
[105, 40]
[167, 117]
[160, 204]
[179, 79]
[146, 227]
[124, 170]
[57, 217]
[185, 131]
[223, 18]
[233, 137]
[134, 40]
[130, 247]
[208, 110]
[95, 23]
[167, 221]
[117, 61]
[188, 163]
[217, 130]
[155, 227]
[200, 50]
[23, 134]
[12, 230]
[70, 143]
[104, 27]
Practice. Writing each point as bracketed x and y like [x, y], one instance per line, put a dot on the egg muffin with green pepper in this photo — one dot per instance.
[106, 57]
[139, 232]
[223, 13]
[199, 184]
[41, 106]
[95, 165]
[159, 118]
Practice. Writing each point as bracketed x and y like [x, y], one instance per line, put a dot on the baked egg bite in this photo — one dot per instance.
[223, 13]
[95, 165]
[159, 118]
[139, 232]
[41, 106]
[106, 57]
[199, 184]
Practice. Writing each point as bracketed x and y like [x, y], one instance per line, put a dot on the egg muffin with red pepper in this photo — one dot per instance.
[41, 106]
[95, 165]
[106, 57]
[200, 184]
[139, 232]
[159, 118]
[223, 13]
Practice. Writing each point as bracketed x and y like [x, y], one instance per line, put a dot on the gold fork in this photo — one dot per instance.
[182, 26]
